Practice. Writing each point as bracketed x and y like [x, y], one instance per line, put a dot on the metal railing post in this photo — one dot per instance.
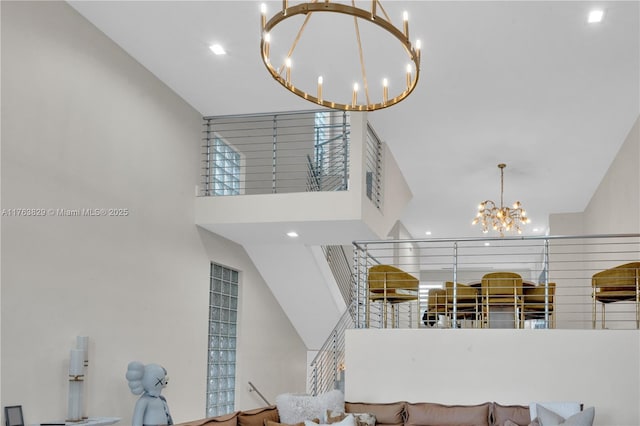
[455, 286]
[546, 284]
[314, 379]
[362, 306]
[335, 357]
[207, 184]
[345, 155]
[274, 156]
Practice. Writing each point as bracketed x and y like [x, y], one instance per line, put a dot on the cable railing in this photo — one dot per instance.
[327, 368]
[275, 153]
[373, 167]
[573, 282]
[326, 371]
[577, 282]
[341, 267]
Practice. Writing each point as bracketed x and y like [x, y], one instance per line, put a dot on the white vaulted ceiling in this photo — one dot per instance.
[527, 83]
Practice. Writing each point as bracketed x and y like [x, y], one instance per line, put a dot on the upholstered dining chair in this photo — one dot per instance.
[621, 283]
[436, 306]
[467, 301]
[502, 289]
[534, 302]
[391, 286]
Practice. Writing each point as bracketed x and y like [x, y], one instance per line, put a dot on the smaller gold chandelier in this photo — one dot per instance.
[501, 218]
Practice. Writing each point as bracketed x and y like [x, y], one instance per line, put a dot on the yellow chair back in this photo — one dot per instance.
[502, 284]
[390, 277]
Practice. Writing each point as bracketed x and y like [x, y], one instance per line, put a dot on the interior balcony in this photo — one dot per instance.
[324, 175]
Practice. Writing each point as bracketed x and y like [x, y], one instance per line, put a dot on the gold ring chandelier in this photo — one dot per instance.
[283, 73]
[501, 218]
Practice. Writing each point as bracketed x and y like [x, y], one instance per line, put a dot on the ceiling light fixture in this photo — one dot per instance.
[365, 103]
[501, 218]
[217, 49]
[595, 16]
[292, 234]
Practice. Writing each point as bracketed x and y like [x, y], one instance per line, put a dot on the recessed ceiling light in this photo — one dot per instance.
[217, 49]
[535, 230]
[428, 232]
[292, 234]
[595, 16]
[487, 244]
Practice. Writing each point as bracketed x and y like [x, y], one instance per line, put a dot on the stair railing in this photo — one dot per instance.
[326, 371]
[253, 388]
[342, 270]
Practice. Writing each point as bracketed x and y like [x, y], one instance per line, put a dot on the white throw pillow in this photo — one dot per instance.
[565, 409]
[549, 418]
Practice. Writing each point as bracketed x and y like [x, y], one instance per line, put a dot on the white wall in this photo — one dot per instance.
[294, 276]
[596, 367]
[613, 209]
[270, 352]
[615, 206]
[396, 193]
[85, 126]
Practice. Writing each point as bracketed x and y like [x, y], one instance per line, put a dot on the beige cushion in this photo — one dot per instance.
[386, 414]
[224, 420]
[512, 423]
[430, 414]
[272, 423]
[516, 414]
[258, 416]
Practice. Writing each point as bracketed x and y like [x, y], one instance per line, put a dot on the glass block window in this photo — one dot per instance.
[226, 169]
[223, 318]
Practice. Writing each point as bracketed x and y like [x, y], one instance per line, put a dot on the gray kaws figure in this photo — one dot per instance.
[149, 380]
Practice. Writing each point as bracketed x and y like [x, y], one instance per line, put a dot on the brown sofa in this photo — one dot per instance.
[394, 414]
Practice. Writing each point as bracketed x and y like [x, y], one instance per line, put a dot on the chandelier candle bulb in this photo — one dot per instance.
[418, 47]
[263, 13]
[287, 63]
[320, 89]
[405, 23]
[354, 98]
[408, 76]
[385, 90]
